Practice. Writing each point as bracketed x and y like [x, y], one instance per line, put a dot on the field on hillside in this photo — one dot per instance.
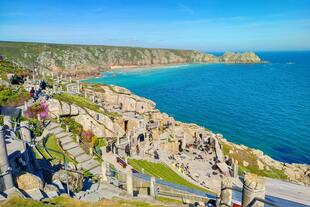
[162, 171]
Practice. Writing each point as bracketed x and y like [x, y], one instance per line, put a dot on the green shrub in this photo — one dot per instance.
[36, 126]
[11, 97]
[99, 142]
[74, 127]
[9, 67]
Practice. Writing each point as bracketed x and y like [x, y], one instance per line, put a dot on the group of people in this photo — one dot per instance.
[35, 94]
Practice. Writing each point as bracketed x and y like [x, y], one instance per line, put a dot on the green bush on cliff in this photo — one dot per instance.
[13, 97]
[8, 67]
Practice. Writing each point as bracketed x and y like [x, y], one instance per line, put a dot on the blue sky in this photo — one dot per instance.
[208, 25]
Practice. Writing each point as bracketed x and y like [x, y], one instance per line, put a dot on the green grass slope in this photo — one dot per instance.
[162, 171]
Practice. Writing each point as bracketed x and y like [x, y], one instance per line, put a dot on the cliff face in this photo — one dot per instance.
[93, 58]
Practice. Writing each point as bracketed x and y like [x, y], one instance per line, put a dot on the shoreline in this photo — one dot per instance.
[140, 68]
[133, 68]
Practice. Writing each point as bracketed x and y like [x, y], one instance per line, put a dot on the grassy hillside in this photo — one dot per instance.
[162, 171]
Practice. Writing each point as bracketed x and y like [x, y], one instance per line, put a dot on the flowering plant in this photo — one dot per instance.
[40, 109]
[87, 135]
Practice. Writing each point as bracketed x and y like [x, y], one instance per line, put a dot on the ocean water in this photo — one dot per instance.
[264, 106]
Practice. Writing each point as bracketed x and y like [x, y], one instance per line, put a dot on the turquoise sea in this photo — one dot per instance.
[264, 106]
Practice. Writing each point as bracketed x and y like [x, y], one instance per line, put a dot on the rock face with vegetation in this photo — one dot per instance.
[89, 60]
[255, 161]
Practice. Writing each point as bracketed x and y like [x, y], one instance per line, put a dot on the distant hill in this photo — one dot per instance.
[61, 57]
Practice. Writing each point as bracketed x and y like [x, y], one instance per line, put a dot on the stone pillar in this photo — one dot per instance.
[26, 136]
[78, 86]
[58, 118]
[118, 141]
[26, 105]
[4, 165]
[77, 138]
[25, 132]
[129, 183]
[153, 186]
[104, 177]
[67, 128]
[7, 121]
[235, 169]
[91, 152]
[70, 79]
[226, 192]
[253, 187]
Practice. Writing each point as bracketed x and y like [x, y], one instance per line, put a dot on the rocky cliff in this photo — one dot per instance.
[92, 58]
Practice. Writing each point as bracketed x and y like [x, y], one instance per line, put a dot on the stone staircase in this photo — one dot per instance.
[99, 191]
[74, 150]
